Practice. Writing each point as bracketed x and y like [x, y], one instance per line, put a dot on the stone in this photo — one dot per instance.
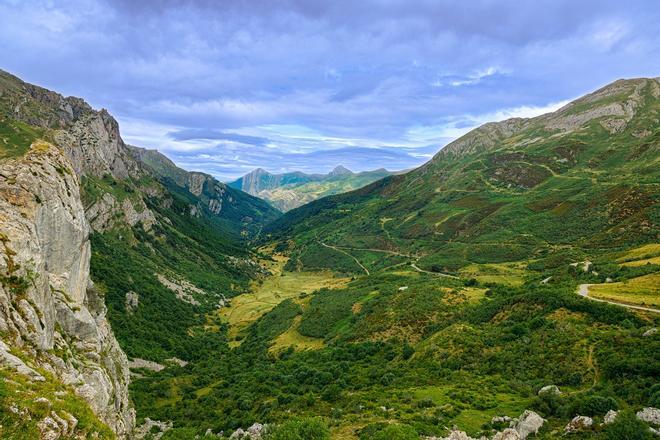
[550, 389]
[131, 302]
[45, 239]
[650, 332]
[528, 423]
[649, 415]
[578, 423]
[610, 417]
[507, 434]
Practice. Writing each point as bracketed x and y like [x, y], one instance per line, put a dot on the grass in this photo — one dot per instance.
[268, 293]
[19, 392]
[16, 137]
[291, 338]
[466, 400]
[511, 274]
[644, 290]
[647, 254]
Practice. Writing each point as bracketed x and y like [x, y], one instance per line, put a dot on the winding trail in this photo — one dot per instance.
[414, 266]
[583, 290]
[346, 253]
[343, 249]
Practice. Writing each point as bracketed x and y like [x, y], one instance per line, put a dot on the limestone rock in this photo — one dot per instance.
[528, 423]
[507, 434]
[148, 427]
[610, 417]
[649, 415]
[579, 423]
[550, 389]
[131, 302]
[650, 332]
[45, 247]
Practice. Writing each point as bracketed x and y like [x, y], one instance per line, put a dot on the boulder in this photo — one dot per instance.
[550, 389]
[579, 423]
[528, 423]
[131, 302]
[507, 434]
[610, 417]
[650, 332]
[649, 415]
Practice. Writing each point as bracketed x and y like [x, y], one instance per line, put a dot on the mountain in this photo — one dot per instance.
[567, 183]
[469, 293]
[103, 255]
[234, 206]
[508, 287]
[290, 190]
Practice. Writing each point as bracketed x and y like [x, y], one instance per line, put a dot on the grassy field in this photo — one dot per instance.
[511, 274]
[647, 254]
[268, 293]
[291, 338]
[644, 290]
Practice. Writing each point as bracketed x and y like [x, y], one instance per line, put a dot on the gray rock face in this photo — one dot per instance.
[48, 307]
[650, 332]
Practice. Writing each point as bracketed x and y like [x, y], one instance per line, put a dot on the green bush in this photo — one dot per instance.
[395, 432]
[301, 429]
[627, 427]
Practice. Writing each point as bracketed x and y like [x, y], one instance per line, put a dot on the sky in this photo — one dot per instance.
[228, 86]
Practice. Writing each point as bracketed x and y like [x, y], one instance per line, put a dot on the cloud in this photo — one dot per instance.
[265, 81]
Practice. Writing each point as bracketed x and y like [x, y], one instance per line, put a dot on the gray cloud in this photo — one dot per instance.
[289, 77]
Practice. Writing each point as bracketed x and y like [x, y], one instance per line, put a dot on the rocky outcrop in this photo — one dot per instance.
[528, 423]
[131, 301]
[610, 417]
[649, 415]
[49, 309]
[578, 423]
[549, 389]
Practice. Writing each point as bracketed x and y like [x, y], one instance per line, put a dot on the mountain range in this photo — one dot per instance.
[291, 190]
[507, 289]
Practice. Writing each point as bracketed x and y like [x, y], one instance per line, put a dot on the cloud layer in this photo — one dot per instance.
[225, 87]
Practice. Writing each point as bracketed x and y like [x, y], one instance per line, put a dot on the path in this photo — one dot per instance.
[414, 266]
[583, 290]
[346, 253]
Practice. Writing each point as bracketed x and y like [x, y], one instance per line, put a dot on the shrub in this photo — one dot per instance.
[384, 431]
[596, 405]
[301, 429]
[627, 426]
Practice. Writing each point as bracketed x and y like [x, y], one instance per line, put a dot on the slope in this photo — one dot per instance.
[582, 180]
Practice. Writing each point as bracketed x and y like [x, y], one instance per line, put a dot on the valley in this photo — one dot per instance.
[440, 303]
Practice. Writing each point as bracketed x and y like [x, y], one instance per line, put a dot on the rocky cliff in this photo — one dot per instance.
[50, 311]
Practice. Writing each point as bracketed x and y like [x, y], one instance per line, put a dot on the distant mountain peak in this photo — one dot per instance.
[340, 170]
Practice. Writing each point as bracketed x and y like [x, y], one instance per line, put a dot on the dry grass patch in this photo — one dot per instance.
[644, 290]
[266, 294]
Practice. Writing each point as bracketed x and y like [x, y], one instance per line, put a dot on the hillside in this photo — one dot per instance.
[291, 190]
[499, 291]
[451, 294]
[563, 185]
